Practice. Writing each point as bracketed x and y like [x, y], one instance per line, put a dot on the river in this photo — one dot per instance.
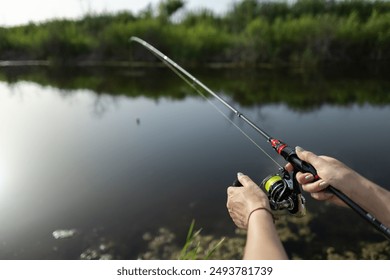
[105, 155]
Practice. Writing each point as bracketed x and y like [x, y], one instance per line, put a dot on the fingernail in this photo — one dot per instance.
[322, 184]
[309, 177]
[239, 174]
[299, 149]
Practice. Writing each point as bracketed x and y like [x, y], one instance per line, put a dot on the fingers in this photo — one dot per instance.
[235, 207]
[245, 180]
[322, 195]
[289, 167]
[230, 190]
[315, 188]
[308, 183]
[304, 178]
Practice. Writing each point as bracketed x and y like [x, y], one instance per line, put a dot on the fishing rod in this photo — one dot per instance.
[282, 188]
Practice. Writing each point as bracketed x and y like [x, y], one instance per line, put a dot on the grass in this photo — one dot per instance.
[192, 248]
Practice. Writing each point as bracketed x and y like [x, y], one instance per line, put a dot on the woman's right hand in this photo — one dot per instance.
[331, 172]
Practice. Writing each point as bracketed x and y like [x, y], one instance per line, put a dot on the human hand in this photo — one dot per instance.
[331, 172]
[243, 201]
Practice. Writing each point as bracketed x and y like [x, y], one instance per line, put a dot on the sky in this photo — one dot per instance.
[16, 12]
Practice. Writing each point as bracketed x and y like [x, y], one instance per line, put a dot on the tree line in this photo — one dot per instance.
[251, 32]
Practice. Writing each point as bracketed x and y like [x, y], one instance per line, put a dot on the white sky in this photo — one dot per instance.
[15, 12]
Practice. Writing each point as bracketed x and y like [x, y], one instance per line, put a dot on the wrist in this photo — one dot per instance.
[261, 214]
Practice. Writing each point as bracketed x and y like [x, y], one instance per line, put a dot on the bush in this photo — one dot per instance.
[251, 32]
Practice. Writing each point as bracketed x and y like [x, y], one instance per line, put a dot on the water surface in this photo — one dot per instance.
[114, 153]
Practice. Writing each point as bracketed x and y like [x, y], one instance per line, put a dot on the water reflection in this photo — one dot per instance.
[112, 156]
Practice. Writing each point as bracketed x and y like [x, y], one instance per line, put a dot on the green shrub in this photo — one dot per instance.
[251, 32]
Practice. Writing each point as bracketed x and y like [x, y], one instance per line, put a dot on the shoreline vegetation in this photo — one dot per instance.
[251, 33]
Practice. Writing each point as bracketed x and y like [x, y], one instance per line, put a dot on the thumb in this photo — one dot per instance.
[307, 156]
[245, 180]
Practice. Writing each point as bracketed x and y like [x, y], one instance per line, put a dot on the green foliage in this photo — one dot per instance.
[252, 32]
[192, 248]
[201, 43]
[305, 38]
[378, 29]
[164, 245]
[363, 251]
[168, 7]
[241, 14]
[64, 41]
[204, 16]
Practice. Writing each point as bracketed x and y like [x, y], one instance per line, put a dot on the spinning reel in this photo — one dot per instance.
[284, 193]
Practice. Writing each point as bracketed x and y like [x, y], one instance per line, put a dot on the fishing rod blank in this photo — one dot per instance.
[280, 147]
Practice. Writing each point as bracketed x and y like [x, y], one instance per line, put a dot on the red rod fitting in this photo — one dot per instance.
[278, 145]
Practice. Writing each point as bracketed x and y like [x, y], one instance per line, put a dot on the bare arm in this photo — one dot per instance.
[262, 239]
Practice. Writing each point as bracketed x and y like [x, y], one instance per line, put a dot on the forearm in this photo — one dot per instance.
[262, 239]
[372, 198]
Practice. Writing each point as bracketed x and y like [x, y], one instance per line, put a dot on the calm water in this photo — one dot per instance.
[114, 153]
